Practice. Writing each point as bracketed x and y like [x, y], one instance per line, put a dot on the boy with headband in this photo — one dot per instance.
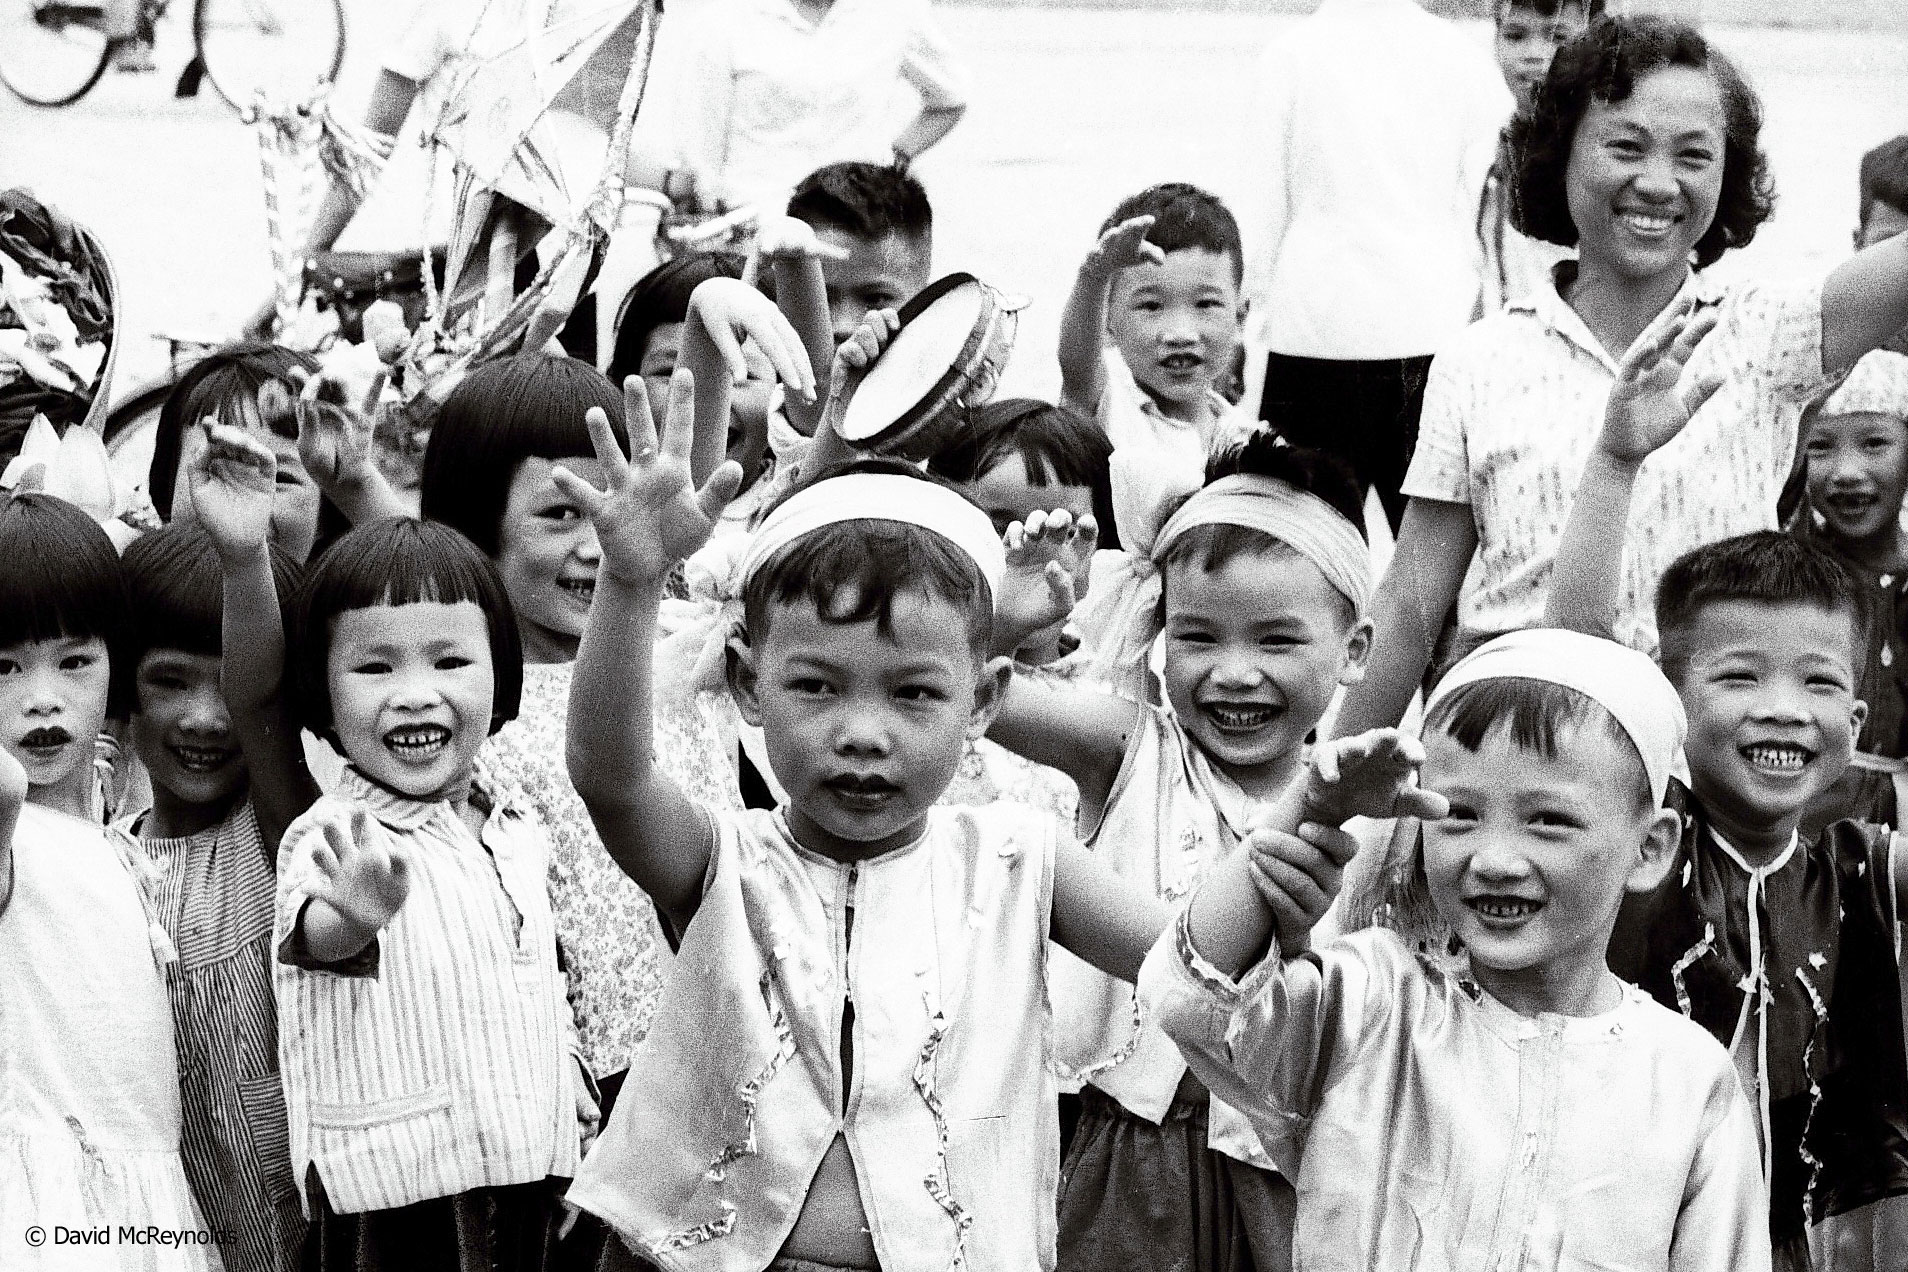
[852, 1067]
[1525, 1109]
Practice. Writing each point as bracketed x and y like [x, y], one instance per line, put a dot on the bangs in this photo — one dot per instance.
[1538, 716]
[177, 587]
[62, 580]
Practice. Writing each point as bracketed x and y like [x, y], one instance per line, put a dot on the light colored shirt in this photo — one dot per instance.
[739, 1090]
[438, 1060]
[760, 96]
[89, 1081]
[1132, 420]
[1514, 407]
[1373, 129]
[1428, 1126]
[1515, 264]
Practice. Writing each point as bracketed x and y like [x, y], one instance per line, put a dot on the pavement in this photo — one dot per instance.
[1072, 110]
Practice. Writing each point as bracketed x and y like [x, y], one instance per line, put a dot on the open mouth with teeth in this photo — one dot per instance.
[1240, 717]
[1647, 224]
[582, 589]
[199, 759]
[862, 792]
[45, 742]
[1779, 758]
[417, 743]
[1503, 911]
[1850, 505]
[1181, 363]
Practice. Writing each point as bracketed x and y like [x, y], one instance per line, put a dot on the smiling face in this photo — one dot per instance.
[749, 402]
[1645, 175]
[52, 706]
[1858, 473]
[1176, 325]
[1770, 694]
[1526, 41]
[412, 689]
[865, 729]
[1533, 861]
[1254, 651]
[182, 730]
[547, 557]
[882, 273]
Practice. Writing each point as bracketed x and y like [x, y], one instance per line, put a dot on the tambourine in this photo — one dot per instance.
[955, 338]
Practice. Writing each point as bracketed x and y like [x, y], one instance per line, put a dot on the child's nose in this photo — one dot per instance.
[587, 548]
[414, 693]
[1498, 861]
[205, 714]
[861, 731]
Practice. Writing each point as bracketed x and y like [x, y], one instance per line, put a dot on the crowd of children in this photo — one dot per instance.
[673, 836]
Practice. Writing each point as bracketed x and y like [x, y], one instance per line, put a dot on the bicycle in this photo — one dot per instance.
[52, 52]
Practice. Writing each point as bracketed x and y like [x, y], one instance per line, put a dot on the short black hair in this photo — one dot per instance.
[869, 562]
[1058, 447]
[1538, 715]
[213, 386]
[1592, 9]
[659, 298]
[1604, 64]
[528, 405]
[868, 201]
[397, 561]
[1185, 218]
[177, 588]
[1884, 176]
[62, 579]
[1765, 567]
[1264, 454]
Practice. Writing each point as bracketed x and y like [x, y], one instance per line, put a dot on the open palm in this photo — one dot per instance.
[1649, 405]
[233, 479]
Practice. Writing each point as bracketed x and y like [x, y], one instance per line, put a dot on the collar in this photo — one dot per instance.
[401, 812]
[1547, 305]
[1780, 860]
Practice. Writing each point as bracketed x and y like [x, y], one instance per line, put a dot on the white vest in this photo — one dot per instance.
[736, 1093]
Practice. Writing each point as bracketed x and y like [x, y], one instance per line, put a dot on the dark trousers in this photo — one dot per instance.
[1366, 413]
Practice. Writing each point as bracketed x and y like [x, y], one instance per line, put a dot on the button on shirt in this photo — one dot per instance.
[1514, 407]
[438, 1059]
[758, 96]
[1373, 129]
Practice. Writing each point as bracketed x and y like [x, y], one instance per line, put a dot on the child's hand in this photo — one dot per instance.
[731, 311]
[859, 351]
[361, 872]
[1646, 408]
[787, 238]
[233, 479]
[1371, 775]
[334, 440]
[589, 1114]
[1298, 876]
[652, 515]
[1045, 555]
[1122, 247]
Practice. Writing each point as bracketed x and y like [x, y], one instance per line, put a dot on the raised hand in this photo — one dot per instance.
[859, 351]
[1648, 404]
[1121, 247]
[233, 479]
[731, 312]
[360, 872]
[1298, 876]
[652, 515]
[334, 437]
[1047, 555]
[787, 238]
[1371, 775]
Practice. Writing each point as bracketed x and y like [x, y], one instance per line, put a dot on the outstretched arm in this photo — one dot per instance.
[1646, 409]
[795, 254]
[335, 442]
[650, 518]
[1083, 321]
[232, 480]
[1101, 918]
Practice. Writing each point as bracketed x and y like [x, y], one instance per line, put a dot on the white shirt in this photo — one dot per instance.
[759, 96]
[1514, 406]
[1132, 420]
[1374, 127]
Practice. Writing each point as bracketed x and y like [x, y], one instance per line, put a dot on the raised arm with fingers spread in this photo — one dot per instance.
[1083, 321]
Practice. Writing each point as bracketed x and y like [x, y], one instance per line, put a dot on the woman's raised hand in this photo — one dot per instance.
[652, 515]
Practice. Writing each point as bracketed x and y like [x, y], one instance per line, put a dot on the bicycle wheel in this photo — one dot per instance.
[282, 46]
[51, 52]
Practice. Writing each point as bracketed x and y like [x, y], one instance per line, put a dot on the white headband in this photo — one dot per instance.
[1620, 680]
[1298, 519]
[878, 497]
[1877, 386]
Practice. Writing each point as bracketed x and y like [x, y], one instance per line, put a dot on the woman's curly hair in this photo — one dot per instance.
[1604, 64]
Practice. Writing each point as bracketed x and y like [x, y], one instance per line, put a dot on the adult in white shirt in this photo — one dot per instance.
[1373, 133]
[760, 93]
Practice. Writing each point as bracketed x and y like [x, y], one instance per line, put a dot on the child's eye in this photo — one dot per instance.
[1461, 813]
[8, 667]
[1625, 147]
[919, 693]
[1212, 302]
[560, 512]
[1736, 677]
[1194, 638]
[372, 667]
[808, 686]
[1279, 640]
[1147, 306]
[77, 662]
[452, 662]
[1835, 683]
[1552, 818]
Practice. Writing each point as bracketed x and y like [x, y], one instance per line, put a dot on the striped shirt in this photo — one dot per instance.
[215, 899]
[437, 1060]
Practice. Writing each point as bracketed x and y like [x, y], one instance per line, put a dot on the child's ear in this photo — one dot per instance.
[738, 664]
[1858, 716]
[1657, 855]
[1357, 652]
[990, 690]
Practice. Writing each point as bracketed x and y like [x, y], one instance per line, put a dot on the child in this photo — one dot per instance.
[208, 831]
[1534, 1111]
[1529, 33]
[1162, 289]
[1783, 948]
[427, 1050]
[880, 222]
[1855, 470]
[1258, 581]
[856, 1073]
[90, 1121]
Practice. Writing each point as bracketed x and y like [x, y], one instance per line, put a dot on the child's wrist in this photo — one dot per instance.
[1607, 459]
